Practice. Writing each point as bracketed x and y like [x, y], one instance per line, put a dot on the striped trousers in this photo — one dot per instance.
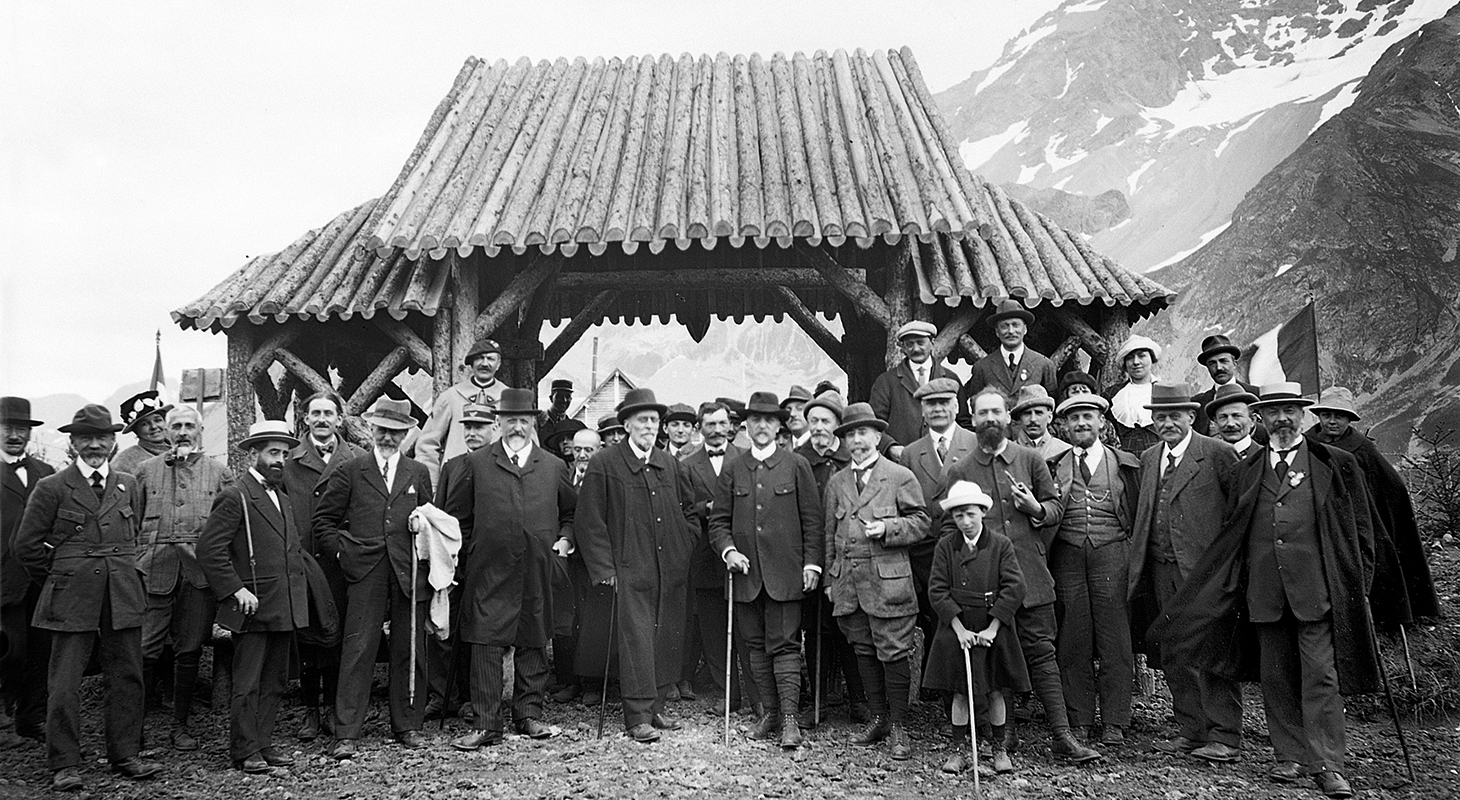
[530, 666]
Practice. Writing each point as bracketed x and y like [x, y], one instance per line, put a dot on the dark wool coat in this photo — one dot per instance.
[358, 522]
[707, 570]
[823, 467]
[305, 474]
[882, 585]
[975, 586]
[1216, 605]
[772, 514]
[993, 370]
[91, 559]
[892, 400]
[13, 494]
[1197, 499]
[278, 578]
[510, 517]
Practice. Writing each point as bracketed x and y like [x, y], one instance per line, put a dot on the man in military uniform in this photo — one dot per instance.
[441, 437]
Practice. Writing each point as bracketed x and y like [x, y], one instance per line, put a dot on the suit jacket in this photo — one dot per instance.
[707, 570]
[881, 586]
[824, 466]
[305, 474]
[13, 581]
[922, 458]
[1197, 502]
[358, 522]
[440, 439]
[1203, 424]
[510, 518]
[993, 370]
[770, 512]
[84, 551]
[1063, 469]
[892, 400]
[273, 570]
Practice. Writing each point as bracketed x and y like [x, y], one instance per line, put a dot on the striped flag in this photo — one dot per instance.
[159, 381]
[1288, 352]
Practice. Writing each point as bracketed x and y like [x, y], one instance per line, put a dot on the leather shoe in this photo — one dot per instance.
[309, 728]
[183, 739]
[1332, 784]
[1216, 752]
[644, 733]
[67, 779]
[790, 733]
[664, 722]
[276, 757]
[1286, 772]
[565, 693]
[343, 749]
[1002, 763]
[806, 718]
[534, 729]
[955, 764]
[435, 708]
[1011, 737]
[766, 726]
[477, 739]
[1112, 736]
[899, 747]
[592, 697]
[1065, 746]
[411, 739]
[687, 691]
[253, 765]
[875, 732]
[1176, 745]
[136, 767]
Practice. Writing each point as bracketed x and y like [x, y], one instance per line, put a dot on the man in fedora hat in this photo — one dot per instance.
[23, 665]
[892, 393]
[515, 503]
[1413, 586]
[1013, 365]
[306, 472]
[1129, 401]
[441, 438]
[1032, 414]
[1099, 490]
[1027, 510]
[178, 490]
[766, 524]
[1182, 500]
[795, 402]
[78, 538]
[560, 396]
[1219, 356]
[145, 415]
[1229, 413]
[362, 522]
[679, 427]
[874, 512]
[635, 526]
[251, 554]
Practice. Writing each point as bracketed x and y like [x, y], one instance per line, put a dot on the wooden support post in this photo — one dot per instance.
[863, 298]
[401, 334]
[517, 292]
[1064, 353]
[899, 297]
[307, 374]
[948, 337]
[1093, 342]
[812, 325]
[272, 401]
[263, 355]
[574, 330]
[241, 411]
[1114, 330]
[374, 384]
[443, 365]
[971, 348]
[464, 310]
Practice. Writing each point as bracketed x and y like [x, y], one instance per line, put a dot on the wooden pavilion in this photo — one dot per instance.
[643, 189]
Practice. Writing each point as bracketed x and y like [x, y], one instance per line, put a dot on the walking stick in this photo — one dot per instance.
[411, 683]
[729, 645]
[607, 658]
[972, 728]
[1408, 662]
[820, 668]
[1388, 693]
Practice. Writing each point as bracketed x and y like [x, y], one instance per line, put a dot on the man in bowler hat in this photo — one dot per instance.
[1013, 365]
[27, 648]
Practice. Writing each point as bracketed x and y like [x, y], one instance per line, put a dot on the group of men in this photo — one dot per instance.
[1135, 531]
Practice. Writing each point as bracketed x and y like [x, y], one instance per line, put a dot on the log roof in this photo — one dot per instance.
[843, 151]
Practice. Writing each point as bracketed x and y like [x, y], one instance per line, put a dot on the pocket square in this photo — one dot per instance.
[411, 489]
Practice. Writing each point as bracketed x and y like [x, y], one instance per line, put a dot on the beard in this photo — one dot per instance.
[990, 434]
[273, 473]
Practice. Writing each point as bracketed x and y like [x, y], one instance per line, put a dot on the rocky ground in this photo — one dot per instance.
[694, 763]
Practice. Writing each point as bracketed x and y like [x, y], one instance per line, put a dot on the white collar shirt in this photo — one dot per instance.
[1178, 452]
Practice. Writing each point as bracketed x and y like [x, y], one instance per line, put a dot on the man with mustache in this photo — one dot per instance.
[1027, 510]
[78, 537]
[178, 490]
[441, 437]
[362, 521]
[1012, 366]
[1032, 414]
[251, 554]
[23, 667]
[892, 393]
[1219, 356]
[144, 414]
[795, 404]
[306, 470]
[580, 645]
[1230, 414]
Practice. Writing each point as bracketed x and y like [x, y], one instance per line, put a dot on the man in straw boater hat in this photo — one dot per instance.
[1100, 491]
[766, 524]
[635, 526]
[1219, 356]
[1230, 414]
[1137, 358]
[27, 647]
[78, 538]
[362, 521]
[1180, 514]
[1012, 366]
[1027, 510]
[441, 439]
[515, 503]
[892, 393]
[1337, 413]
[145, 415]
[250, 550]
[874, 511]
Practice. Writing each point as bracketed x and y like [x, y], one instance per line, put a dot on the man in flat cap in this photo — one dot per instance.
[1032, 413]
[560, 396]
[1130, 402]
[892, 393]
[441, 437]
[78, 537]
[23, 666]
[362, 521]
[1013, 365]
[679, 427]
[1219, 356]
[144, 414]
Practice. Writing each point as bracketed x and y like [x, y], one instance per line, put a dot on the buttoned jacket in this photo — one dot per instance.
[272, 567]
[358, 521]
[177, 497]
[769, 511]
[14, 582]
[882, 584]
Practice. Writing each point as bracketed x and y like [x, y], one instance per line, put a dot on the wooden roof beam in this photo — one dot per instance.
[950, 334]
[808, 321]
[846, 282]
[586, 318]
[401, 334]
[711, 278]
[516, 293]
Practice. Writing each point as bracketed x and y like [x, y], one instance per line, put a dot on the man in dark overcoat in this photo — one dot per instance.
[892, 392]
[306, 472]
[635, 526]
[251, 553]
[78, 539]
[362, 520]
[515, 503]
[27, 648]
[766, 525]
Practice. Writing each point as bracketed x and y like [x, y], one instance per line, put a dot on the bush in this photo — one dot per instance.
[1434, 484]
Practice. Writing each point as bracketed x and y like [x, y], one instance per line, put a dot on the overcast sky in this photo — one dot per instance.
[151, 148]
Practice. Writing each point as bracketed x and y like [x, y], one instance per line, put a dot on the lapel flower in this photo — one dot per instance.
[1295, 478]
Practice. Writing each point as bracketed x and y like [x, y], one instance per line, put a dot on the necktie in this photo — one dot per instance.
[325, 449]
[1012, 366]
[861, 476]
[942, 448]
[1170, 468]
[515, 461]
[385, 473]
[1282, 464]
[1084, 467]
[715, 453]
[922, 371]
[100, 489]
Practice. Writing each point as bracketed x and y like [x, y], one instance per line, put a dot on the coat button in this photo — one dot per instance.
[97, 571]
[78, 527]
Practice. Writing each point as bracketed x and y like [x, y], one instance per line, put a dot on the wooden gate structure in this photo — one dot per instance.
[640, 189]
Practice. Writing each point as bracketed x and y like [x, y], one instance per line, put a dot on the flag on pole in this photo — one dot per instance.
[159, 381]
[1288, 352]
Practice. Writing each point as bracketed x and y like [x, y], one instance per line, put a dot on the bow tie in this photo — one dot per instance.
[715, 453]
[325, 449]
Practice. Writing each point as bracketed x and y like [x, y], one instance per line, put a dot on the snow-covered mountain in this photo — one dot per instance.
[1180, 105]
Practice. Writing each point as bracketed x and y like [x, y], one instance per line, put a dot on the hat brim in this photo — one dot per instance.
[628, 411]
[1172, 406]
[81, 427]
[938, 396]
[778, 412]
[1082, 406]
[1301, 402]
[291, 441]
[835, 412]
[846, 427]
[133, 424]
[1240, 397]
[17, 421]
[1231, 349]
[1022, 313]
[389, 422]
[1352, 415]
[1022, 407]
[950, 503]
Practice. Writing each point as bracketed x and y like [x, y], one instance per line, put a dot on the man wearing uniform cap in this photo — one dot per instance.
[23, 666]
[1032, 413]
[1219, 356]
[560, 396]
[1012, 366]
[441, 439]
[78, 538]
[892, 393]
[1129, 402]
[1229, 413]
[144, 414]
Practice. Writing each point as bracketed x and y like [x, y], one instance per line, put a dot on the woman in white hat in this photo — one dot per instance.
[1133, 424]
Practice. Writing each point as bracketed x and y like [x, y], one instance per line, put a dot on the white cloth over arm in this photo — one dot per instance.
[438, 540]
